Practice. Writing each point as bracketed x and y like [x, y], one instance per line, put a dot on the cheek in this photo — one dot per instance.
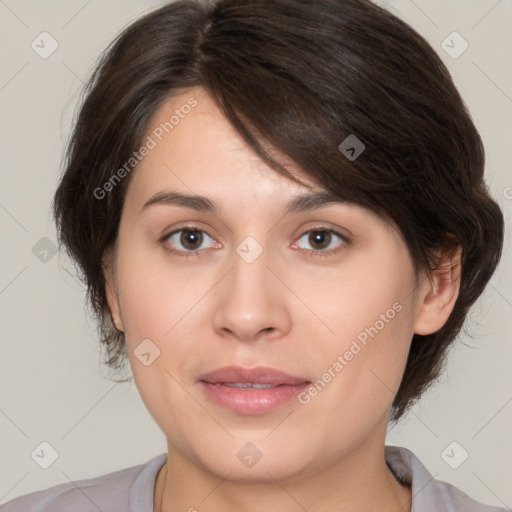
[371, 295]
[369, 351]
[165, 305]
[156, 299]
[358, 377]
[370, 313]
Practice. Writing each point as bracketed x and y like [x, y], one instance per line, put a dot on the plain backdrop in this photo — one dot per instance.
[53, 387]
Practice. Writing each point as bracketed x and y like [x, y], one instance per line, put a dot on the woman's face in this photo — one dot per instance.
[252, 284]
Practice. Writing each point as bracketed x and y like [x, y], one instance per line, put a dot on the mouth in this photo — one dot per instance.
[251, 391]
[248, 385]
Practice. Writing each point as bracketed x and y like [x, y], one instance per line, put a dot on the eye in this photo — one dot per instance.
[323, 240]
[188, 239]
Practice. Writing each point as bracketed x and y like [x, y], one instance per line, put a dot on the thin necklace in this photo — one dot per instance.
[161, 497]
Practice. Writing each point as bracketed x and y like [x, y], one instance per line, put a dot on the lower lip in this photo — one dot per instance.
[252, 400]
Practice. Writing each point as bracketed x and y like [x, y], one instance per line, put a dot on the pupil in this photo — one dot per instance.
[190, 239]
[320, 238]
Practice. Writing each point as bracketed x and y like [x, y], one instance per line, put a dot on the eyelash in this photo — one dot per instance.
[187, 254]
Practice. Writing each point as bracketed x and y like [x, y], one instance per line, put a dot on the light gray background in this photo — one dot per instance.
[52, 385]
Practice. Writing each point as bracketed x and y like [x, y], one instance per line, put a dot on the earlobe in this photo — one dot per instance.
[111, 289]
[438, 294]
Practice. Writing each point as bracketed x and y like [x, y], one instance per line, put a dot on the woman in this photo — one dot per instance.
[279, 209]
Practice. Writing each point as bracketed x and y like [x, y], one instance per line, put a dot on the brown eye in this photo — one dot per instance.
[319, 239]
[189, 240]
[322, 241]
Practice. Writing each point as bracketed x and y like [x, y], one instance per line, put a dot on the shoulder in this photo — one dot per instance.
[429, 493]
[127, 490]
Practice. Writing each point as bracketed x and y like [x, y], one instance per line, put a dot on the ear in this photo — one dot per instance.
[109, 272]
[438, 293]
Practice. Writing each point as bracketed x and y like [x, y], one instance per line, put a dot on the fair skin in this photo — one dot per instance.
[295, 308]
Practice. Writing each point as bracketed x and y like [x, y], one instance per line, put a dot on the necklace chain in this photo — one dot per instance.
[161, 497]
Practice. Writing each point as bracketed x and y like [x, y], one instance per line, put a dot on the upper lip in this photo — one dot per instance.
[257, 375]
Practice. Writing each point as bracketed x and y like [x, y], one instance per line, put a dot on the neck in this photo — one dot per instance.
[360, 480]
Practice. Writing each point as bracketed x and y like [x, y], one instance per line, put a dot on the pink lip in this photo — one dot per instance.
[250, 400]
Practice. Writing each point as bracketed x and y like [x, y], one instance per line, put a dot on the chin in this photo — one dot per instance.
[254, 459]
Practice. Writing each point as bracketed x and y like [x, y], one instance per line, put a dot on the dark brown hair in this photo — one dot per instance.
[298, 76]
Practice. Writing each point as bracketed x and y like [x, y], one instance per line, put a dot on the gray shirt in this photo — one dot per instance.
[131, 490]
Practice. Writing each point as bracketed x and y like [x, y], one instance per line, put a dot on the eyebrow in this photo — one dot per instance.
[304, 202]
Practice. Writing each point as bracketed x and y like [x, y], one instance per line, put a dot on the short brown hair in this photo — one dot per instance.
[300, 76]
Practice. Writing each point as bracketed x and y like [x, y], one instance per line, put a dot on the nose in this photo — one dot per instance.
[252, 301]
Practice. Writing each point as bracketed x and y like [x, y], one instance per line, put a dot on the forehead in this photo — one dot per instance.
[195, 149]
[197, 157]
